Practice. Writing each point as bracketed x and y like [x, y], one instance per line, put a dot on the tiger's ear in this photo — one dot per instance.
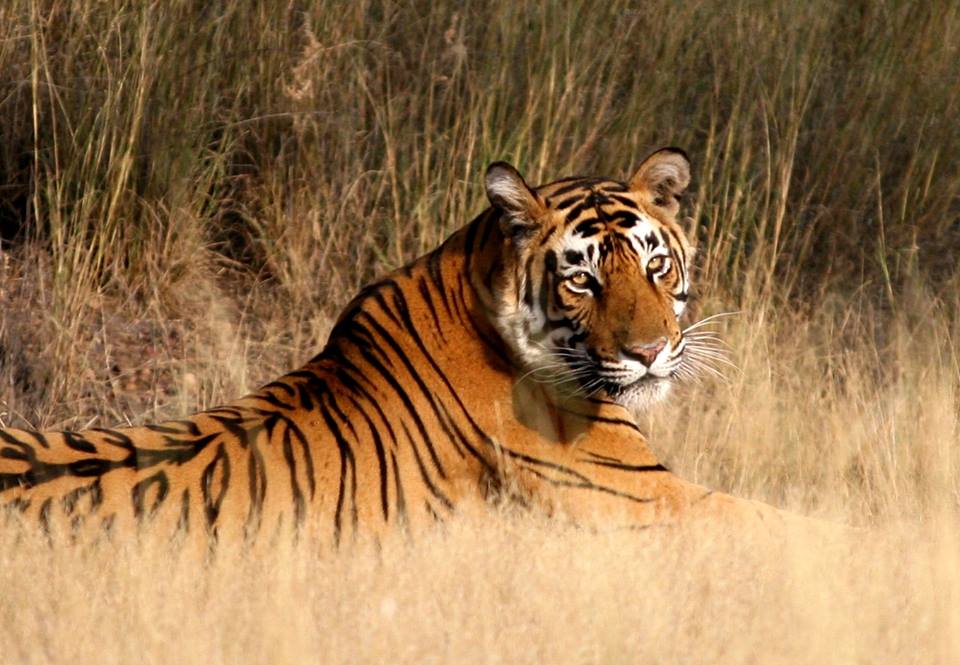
[521, 207]
[663, 177]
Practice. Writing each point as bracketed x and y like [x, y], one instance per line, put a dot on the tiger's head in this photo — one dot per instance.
[595, 279]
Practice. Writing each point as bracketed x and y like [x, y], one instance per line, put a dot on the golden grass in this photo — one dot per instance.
[507, 589]
[189, 194]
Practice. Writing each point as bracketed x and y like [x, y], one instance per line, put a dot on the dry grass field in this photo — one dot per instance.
[190, 191]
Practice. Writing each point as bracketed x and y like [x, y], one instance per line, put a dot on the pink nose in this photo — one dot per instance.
[645, 353]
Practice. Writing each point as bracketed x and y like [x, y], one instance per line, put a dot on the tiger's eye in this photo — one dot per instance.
[656, 264]
[580, 278]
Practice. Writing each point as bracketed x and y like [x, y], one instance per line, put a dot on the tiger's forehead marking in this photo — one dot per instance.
[575, 195]
[605, 240]
[596, 213]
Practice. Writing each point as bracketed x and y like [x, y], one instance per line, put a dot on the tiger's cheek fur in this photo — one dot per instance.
[578, 312]
[520, 315]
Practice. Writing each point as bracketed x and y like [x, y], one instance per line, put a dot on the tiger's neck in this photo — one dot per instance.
[435, 312]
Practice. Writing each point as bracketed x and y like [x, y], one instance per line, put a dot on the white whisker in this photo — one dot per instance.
[719, 357]
[710, 319]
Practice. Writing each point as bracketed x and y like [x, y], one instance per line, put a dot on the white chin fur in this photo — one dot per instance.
[640, 397]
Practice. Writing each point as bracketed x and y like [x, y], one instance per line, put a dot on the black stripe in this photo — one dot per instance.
[495, 268]
[587, 485]
[576, 211]
[628, 467]
[71, 500]
[428, 299]
[212, 503]
[307, 454]
[256, 485]
[381, 458]
[615, 186]
[288, 456]
[549, 234]
[487, 224]
[39, 437]
[331, 398]
[171, 427]
[17, 506]
[624, 200]
[273, 400]
[578, 183]
[77, 442]
[528, 281]
[306, 402]
[567, 202]
[589, 227]
[435, 270]
[382, 301]
[280, 385]
[345, 452]
[44, 515]
[141, 489]
[401, 501]
[471, 237]
[183, 523]
[119, 439]
[608, 458]
[424, 475]
[234, 424]
[176, 452]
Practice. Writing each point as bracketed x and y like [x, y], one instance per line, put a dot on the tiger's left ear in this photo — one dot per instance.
[662, 178]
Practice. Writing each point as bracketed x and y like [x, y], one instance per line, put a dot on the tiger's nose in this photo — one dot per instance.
[645, 353]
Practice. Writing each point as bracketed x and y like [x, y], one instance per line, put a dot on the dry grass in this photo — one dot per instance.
[189, 193]
[514, 590]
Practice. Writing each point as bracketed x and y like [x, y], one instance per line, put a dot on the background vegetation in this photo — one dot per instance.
[189, 192]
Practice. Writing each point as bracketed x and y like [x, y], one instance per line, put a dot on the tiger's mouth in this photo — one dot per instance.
[616, 378]
[616, 389]
[580, 375]
[640, 394]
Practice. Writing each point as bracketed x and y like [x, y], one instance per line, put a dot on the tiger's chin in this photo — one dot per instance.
[637, 397]
[640, 396]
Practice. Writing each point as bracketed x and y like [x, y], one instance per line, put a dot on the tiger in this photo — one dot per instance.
[512, 361]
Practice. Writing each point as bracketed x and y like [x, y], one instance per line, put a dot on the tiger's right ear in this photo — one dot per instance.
[521, 207]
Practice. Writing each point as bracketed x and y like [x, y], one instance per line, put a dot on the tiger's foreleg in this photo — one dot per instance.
[659, 498]
[608, 477]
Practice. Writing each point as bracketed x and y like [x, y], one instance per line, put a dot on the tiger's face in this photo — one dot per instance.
[596, 279]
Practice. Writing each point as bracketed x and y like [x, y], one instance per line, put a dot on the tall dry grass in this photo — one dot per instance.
[190, 191]
[513, 590]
